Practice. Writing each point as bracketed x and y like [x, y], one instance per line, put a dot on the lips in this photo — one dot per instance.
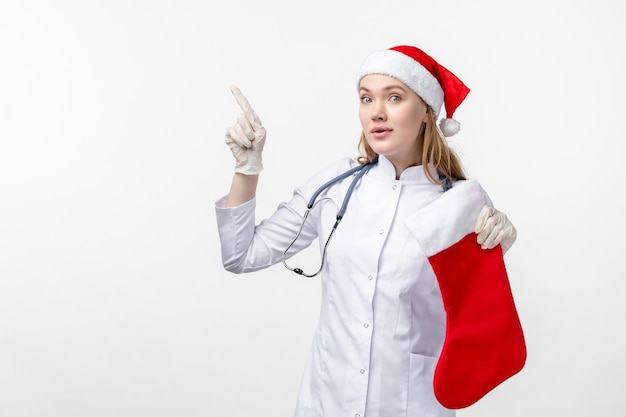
[380, 132]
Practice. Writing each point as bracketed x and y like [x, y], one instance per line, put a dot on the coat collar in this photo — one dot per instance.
[415, 174]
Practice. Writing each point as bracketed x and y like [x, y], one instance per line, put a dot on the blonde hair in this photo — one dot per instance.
[435, 150]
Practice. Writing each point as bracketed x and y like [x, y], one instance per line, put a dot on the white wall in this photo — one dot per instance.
[113, 300]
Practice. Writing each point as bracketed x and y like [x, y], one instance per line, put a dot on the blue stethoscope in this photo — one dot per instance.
[359, 171]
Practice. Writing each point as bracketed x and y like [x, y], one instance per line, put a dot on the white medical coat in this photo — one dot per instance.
[382, 321]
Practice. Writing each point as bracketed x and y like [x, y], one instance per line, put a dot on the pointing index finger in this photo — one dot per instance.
[245, 106]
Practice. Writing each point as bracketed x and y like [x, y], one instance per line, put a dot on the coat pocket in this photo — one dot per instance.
[421, 399]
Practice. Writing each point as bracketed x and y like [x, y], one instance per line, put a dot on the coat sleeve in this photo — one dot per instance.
[248, 247]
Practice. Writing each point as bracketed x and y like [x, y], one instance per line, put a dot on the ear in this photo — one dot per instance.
[425, 116]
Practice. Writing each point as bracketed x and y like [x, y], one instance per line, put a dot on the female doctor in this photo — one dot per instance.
[382, 322]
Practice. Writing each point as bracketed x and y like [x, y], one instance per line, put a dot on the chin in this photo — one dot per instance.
[382, 150]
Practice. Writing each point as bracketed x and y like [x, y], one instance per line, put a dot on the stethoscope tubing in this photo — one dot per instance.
[360, 171]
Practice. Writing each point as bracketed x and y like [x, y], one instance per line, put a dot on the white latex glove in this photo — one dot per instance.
[246, 138]
[493, 228]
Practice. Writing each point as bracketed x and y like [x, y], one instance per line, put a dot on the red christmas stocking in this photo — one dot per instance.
[484, 343]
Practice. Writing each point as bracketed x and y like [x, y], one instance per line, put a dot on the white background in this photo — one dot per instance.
[113, 299]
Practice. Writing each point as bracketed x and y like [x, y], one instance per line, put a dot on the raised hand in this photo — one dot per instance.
[246, 138]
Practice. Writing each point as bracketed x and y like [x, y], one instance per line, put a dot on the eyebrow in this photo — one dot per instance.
[390, 87]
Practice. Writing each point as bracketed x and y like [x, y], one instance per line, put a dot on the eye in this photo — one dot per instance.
[395, 98]
[366, 100]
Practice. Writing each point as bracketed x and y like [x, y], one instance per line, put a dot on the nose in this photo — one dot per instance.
[378, 112]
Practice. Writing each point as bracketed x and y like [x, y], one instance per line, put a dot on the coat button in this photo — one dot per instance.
[381, 231]
[394, 187]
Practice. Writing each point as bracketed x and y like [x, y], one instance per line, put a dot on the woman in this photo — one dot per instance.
[383, 322]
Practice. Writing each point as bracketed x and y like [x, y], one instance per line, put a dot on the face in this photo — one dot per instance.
[391, 116]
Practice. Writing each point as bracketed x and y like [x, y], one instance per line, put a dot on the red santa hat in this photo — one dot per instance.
[421, 73]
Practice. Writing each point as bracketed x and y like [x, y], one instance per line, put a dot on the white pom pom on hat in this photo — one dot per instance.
[449, 127]
[435, 84]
